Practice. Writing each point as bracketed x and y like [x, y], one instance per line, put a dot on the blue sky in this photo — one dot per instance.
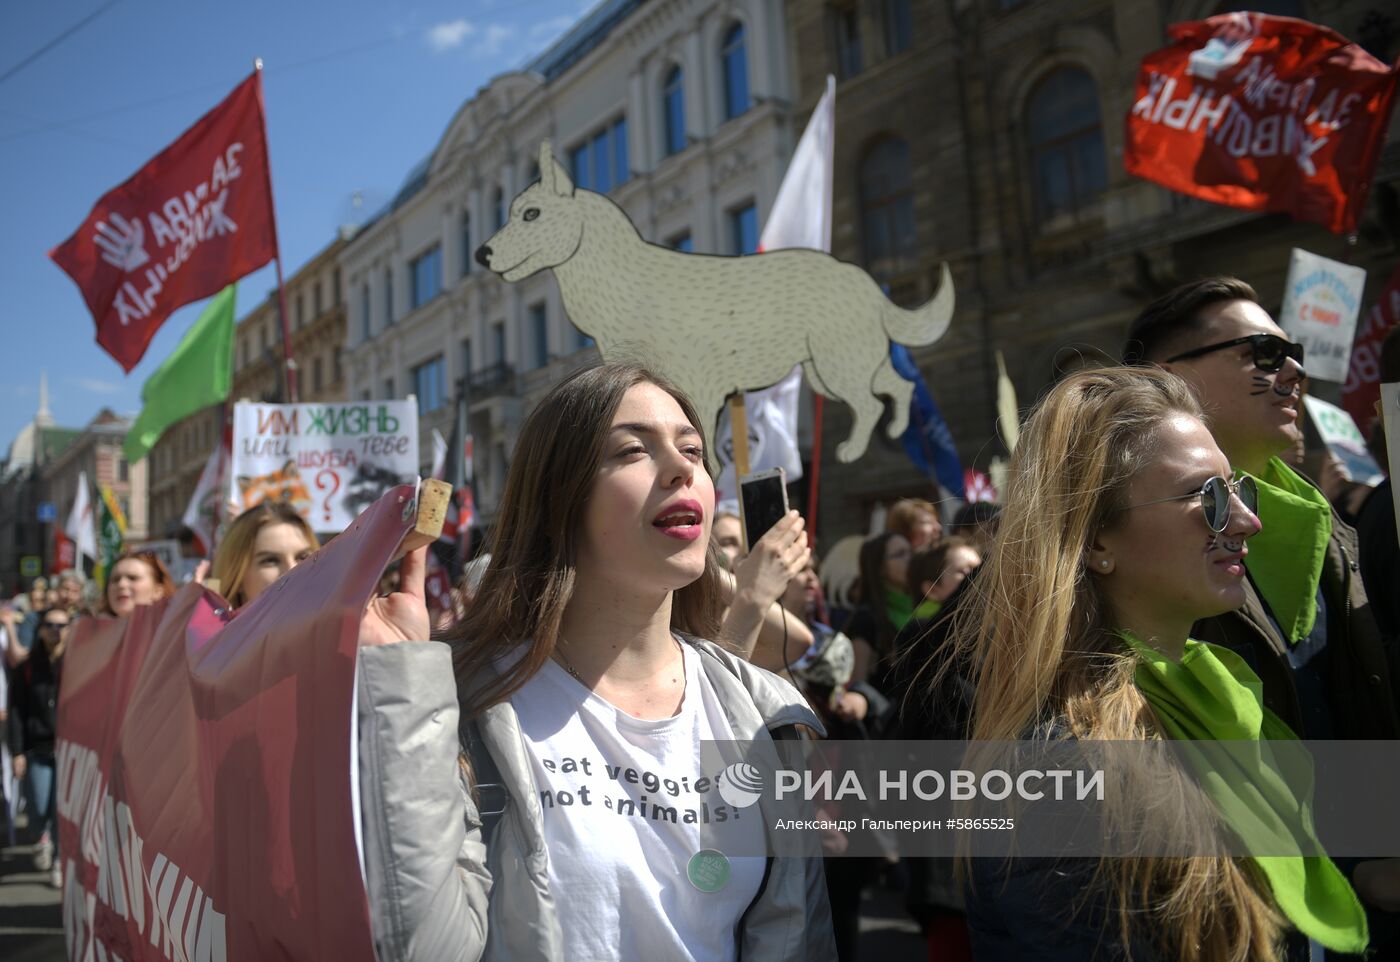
[356, 93]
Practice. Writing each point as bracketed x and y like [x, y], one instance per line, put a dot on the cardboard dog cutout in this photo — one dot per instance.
[716, 325]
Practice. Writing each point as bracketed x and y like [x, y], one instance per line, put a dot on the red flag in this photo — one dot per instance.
[197, 217]
[63, 552]
[1363, 388]
[1262, 113]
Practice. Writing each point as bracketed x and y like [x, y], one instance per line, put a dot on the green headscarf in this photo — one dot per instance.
[1212, 696]
[899, 607]
[1285, 558]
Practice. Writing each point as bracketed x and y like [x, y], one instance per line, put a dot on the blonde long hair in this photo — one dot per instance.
[235, 554]
[1037, 632]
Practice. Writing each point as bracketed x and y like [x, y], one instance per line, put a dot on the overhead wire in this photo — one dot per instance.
[57, 40]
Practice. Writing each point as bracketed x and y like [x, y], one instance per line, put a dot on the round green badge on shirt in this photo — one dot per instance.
[708, 870]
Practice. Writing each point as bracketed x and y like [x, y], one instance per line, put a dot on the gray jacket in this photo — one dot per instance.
[438, 893]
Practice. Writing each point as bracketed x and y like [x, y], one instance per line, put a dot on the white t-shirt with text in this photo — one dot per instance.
[624, 802]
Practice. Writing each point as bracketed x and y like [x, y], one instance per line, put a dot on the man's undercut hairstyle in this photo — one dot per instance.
[1169, 324]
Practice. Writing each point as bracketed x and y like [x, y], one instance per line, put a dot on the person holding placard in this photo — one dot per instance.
[582, 654]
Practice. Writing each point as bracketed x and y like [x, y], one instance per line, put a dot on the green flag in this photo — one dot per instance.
[195, 375]
[111, 534]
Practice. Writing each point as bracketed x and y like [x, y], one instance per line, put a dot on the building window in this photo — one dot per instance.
[498, 342]
[317, 382]
[337, 365]
[364, 394]
[388, 296]
[425, 274]
[262, 340]
[499, 208]
[899, 27]
[316, 303]
[736, 72]
[301, 310]
[743, 229]
[682, 242]
[846, 25]
[467, 359]
[122, 470]
[366, 322]
[600, 163]
[335, 288]
[887, 208]
[430, 384]
[539, 334]
[388, 389]
[1066, 142]
[673, 111]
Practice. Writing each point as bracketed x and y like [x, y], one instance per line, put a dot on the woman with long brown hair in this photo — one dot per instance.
[585, 691]
[1123, 525]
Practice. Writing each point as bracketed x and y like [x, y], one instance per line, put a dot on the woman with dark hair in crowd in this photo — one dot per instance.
[33, 731]
[261, 545]
[136, 578]
[581, 655]
[1123, 526]
[885, 605]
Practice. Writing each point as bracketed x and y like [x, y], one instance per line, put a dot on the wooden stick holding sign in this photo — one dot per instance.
[739, 433]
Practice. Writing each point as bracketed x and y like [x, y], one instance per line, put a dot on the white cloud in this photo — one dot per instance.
[96, 386]
[493, 40]
[446, 36]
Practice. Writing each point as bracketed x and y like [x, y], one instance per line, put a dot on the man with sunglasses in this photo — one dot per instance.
[1306, 627]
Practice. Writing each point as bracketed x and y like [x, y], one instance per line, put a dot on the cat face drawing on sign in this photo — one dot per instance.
[717, 325]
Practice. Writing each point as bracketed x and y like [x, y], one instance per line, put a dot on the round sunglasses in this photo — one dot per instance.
[1215, 499]
[1270, 351]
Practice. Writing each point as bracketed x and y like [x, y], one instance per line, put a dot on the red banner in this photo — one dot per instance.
[63, 551]
[1262, 113]
[1363, 388]
[197, 217]
[204, 767]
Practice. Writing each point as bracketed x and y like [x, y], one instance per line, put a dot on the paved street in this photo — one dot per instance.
[31, 928]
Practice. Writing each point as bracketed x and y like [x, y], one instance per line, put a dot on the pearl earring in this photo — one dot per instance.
[1103, 563]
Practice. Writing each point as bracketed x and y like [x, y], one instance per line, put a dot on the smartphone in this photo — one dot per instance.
[762, 502]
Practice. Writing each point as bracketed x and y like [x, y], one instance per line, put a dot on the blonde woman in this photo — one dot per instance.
[1123, 525]
[261, 545]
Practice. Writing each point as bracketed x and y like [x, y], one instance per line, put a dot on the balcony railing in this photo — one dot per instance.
[496, 379]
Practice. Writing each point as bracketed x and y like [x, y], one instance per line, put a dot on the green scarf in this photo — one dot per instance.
[899, 607]
[1211, 696]
[927, 609]
[1285, 558]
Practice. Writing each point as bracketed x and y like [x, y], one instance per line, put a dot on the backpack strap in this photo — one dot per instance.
[491, 795]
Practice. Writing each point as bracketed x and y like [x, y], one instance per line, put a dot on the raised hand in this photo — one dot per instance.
[403, 615]
[122, 242]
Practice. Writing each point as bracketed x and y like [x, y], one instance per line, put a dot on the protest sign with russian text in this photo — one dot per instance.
[1363, 385]
[329, 461]
[1321, 301]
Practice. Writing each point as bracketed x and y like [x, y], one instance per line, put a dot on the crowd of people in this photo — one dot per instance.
[1157, 568]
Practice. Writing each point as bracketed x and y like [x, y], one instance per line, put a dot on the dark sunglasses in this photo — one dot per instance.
[1215, 499]
[1270, 351]
[53, 624]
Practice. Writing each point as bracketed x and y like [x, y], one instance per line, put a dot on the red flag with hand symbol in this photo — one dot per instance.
[196, 218]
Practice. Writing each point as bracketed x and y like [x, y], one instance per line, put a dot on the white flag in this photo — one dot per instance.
[202, 514]
[801, 217]
[439, 454]
[80, 528]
